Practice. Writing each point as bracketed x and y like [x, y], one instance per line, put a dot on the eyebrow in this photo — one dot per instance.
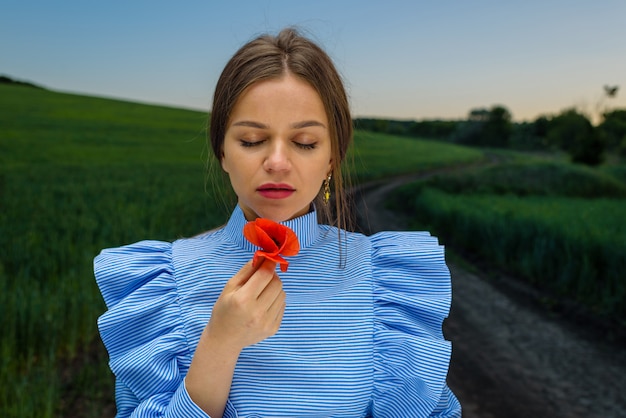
[307, 124]
[297, 125]
[251, 124]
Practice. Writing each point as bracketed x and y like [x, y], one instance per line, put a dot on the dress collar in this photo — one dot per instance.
[304, 226]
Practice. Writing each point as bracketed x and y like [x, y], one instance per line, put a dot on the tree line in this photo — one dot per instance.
[570, 131]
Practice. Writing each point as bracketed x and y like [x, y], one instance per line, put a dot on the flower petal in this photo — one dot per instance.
[259, 236]
[274, 239]
[290, 246]
[259, 255]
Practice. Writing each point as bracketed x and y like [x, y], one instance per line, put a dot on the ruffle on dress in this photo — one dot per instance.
[142, 329]
[412, 296]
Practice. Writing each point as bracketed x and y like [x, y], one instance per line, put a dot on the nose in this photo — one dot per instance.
[278, 158]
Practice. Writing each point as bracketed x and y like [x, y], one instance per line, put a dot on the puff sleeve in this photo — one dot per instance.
[412, 296]
[143, 332]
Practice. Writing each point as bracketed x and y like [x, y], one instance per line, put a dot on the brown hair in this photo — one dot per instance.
[270, 57]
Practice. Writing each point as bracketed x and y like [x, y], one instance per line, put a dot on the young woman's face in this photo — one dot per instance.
[277, 149]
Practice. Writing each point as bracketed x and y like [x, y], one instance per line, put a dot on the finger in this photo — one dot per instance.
[277, 310]
[259, 280]
[275, 296]
[271, 291]
[242, 276]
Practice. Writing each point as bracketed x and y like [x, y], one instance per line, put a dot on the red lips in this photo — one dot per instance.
[275, 240]
[275, 190]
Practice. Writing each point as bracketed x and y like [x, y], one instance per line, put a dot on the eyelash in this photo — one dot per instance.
[306, 146]
[250, 144]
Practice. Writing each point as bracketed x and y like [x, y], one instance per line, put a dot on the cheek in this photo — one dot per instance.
[226, 162]
[328, 164]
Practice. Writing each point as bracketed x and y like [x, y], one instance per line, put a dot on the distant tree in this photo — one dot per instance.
[468, 133]
[573, 132]
[8, 80]
[395, 127]
[486, 128]
[530, 135]
[436, 129]
[589, 150]
[497, 130]
[565, 128]
[432, 129]
[613, 128]
[478, 115]
[610, 93]
[371, 124]
[381, 125]
[541, 126]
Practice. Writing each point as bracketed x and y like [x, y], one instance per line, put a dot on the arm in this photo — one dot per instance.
[249, 310]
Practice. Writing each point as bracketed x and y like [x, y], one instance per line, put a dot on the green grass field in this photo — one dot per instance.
[559, 226]
[78, 174]
[378, 156]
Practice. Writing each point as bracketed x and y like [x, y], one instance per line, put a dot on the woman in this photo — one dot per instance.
[352, 329]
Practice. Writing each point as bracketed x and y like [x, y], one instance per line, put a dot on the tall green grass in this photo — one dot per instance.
[560, 227]
[532, 177]
[78, 174]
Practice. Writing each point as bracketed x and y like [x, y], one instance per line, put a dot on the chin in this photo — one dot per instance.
[281, 215]
[277, 212]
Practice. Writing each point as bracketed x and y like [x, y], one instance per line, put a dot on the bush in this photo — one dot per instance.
[572, 132]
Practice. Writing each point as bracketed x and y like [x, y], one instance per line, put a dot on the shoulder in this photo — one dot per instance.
[409, 243]
[418, 254]
[142, 325]
[412, 297]
[410, 272]
[398, 250]
[122, 270]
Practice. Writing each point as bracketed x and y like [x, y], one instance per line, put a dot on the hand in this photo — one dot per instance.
[250, 308]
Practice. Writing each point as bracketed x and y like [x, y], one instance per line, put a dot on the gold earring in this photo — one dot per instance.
[326, 196]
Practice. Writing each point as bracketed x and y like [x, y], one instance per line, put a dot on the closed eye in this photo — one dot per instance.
[306, 146]
[250, 144]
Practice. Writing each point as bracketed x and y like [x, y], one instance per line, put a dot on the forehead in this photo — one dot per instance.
[280, 99]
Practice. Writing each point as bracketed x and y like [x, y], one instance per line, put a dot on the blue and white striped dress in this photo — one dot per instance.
[357, 340]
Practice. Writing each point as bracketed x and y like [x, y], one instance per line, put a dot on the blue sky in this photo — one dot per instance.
[400, 59]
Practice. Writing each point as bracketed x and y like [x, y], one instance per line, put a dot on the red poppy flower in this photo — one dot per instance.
[274, 239]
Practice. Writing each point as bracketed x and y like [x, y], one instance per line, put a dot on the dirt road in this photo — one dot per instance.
[511, 358]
